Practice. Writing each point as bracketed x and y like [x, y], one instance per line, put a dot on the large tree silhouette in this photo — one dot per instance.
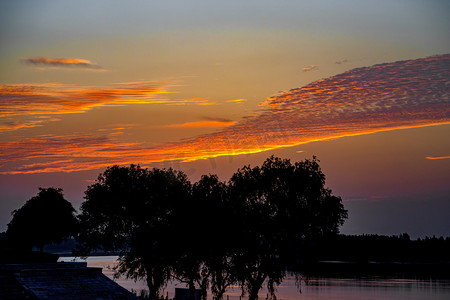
[136, 211]
[212, 212]
[245, 231]
[278, 205]
[44, 219]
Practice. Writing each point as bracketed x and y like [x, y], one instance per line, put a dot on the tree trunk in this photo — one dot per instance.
[219, 294]
[153, 291]
[253, 294]
[204, 288]
[220, 290]
[191, 290]
[256, 286]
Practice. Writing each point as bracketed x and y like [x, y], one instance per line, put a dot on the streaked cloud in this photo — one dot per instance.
[197, 101]
[58, 146]
[438, 157]
[218, 119]
[48, 99]
[14, 125]
[236, 100]
[389, 96]
[200, 124]
[62, 62]
[116, 129]
[341, 61]
[309, 68]
[60, 154]
[23, 105]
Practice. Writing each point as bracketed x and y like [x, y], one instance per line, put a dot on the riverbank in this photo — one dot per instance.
[383, 269]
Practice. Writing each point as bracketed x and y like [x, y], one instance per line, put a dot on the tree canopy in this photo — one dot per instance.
[44, 219]
[279, 205]
[136, 211]
[245, 231]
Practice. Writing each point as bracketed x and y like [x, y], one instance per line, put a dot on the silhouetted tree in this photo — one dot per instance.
[136, 211]
[214, 210]
[247, 230]
[277, 206]
[203, 256]
[44, 219]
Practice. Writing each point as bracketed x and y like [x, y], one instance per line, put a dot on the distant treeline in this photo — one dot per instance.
[378, 248]
[349, 248]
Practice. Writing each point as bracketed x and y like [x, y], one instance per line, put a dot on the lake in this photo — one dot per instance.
[316, 288]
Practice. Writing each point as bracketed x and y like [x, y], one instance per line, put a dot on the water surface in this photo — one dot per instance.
[314, 288]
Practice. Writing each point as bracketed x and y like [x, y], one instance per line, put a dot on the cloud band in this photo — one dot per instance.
[383, 97]
[62, 62]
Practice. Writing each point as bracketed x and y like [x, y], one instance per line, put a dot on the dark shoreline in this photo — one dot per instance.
[352, 269]
[383, 269]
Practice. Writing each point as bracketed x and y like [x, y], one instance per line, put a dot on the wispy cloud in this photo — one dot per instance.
[383, 97]
[48, 99]
[341, 61]
[59, 146]
[197, 101]
[61, 154]
[202, 124]
[15, 125]
[438, 157]
[236, 100]
[309, 68]
[23, 105]
[62, 62]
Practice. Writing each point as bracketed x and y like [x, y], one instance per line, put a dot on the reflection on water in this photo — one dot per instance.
[315, 288]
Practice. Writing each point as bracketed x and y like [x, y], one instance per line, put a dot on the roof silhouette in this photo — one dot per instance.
[68, 280]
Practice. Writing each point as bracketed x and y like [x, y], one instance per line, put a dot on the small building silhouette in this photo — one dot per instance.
[184, 294]
[63, 280]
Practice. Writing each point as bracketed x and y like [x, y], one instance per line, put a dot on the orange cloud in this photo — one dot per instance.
[62, 62]
[62, 154]
[12, 125]
[29, 101]
[197, 101]
[42, 99]
[309, 68]
[56, 146]
[438, 157]
[383, 97]
[201, 124]
[236, 100]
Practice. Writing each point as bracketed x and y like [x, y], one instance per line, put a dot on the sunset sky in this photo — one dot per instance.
[211, 86]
